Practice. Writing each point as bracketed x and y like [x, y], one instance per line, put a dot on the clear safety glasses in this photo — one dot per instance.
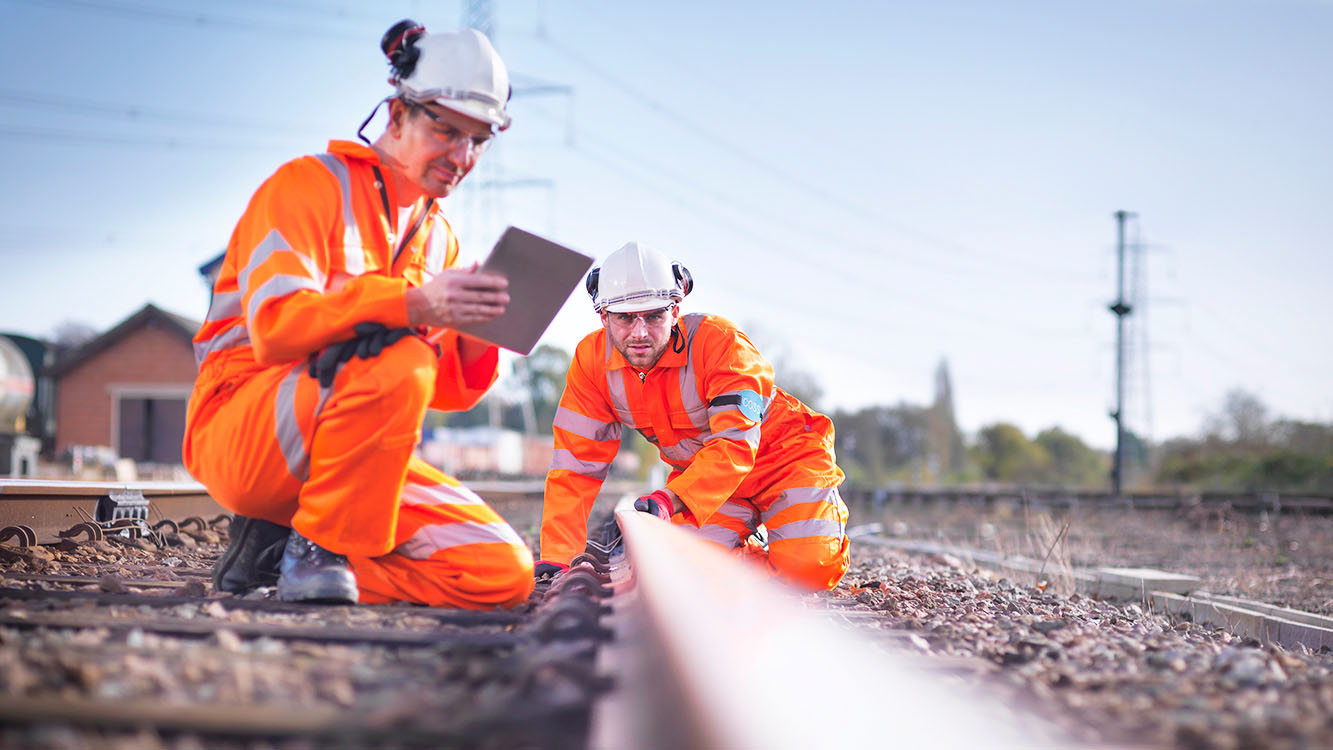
[452, 135]
[652, 318]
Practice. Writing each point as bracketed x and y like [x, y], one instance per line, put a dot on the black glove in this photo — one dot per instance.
[369, 341]
[547, 569]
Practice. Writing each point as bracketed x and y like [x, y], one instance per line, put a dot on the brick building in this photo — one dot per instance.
[127, 388]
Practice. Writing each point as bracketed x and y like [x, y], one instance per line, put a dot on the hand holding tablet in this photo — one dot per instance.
[541, 275]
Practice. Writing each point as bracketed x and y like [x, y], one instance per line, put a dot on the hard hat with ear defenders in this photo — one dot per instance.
[460, 70]
[635, 278]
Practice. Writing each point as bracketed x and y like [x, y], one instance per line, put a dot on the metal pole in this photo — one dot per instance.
[1121, 309]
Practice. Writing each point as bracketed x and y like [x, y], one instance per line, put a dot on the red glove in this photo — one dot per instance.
[544, 568]
[658, 503]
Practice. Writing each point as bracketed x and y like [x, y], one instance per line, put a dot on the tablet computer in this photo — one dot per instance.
[541, 275]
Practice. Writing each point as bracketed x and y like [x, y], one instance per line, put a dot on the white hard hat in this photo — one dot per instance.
[635, 278]
[460, 70]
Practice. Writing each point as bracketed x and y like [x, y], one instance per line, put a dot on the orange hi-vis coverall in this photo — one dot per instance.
[312, 257]
[742, 451]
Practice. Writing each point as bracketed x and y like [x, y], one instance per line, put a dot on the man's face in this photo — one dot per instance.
[641, 337]
[437, 146]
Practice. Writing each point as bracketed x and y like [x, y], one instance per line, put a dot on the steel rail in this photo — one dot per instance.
[730, 659]
[1312, 503]
[206, 628]
[48, 507]
[460, 617]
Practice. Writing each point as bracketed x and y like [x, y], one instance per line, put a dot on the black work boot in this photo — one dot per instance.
[252, 557]
[310, 573]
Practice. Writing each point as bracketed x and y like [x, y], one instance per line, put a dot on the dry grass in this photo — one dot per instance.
[1283, 559]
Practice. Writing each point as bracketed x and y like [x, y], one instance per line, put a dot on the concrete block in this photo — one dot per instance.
[1144, 580]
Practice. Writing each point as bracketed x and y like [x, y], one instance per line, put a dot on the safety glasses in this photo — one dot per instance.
[452, 135]
[652, 318]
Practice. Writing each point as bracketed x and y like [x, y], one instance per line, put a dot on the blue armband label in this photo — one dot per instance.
[752, 405]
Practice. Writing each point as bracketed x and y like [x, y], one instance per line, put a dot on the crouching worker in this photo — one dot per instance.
[743, 452]
[329, 336]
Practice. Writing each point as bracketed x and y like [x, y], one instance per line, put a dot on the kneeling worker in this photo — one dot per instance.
[329, 335]
[742, 451]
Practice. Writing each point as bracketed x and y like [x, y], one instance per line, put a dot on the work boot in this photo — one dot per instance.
[252, 556]
[310, 573]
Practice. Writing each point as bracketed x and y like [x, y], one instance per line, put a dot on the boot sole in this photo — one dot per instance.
[326, 592]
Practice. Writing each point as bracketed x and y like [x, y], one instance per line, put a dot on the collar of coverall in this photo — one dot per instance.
[669, 358]
[352, 148]
[366, 153]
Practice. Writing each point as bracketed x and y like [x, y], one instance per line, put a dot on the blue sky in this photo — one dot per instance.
[868, 187]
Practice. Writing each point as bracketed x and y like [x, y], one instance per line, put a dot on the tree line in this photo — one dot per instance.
[1240, 446]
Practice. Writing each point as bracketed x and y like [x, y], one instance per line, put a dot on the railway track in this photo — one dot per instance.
[655, 642]
[1048, 498]
[109, 630]
[36, 511]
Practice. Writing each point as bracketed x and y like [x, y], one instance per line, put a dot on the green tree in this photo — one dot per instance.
[1240, 448]
[536, 383]
[525, 400]
[945, 453]
[1005, 454]
[1072, 462]
[1242, 421]
[883, 443]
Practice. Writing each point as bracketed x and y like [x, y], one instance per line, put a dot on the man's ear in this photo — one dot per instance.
[397, 116]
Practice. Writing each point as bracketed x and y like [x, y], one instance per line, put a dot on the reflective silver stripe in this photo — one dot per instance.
[615, 384]
[563, 459]
[272, 242]
[440, 494]
[237, 336]
[286, 427]
[812, 528]
[224, 305]
[750, 435]
[288, 431]
[279, 286]
[695, 407]
[683, 451]
[585, 427]
[715, 534]
[737, 510]
[354, 256]
[431, 539]
[802, 495]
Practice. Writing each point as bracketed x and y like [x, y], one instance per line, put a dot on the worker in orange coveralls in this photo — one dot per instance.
[742, 451]
[329, 336]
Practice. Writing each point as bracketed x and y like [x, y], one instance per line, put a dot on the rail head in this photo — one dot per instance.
[757, 669]
[95, 487]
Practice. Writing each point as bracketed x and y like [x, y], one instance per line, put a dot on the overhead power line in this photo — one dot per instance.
[821, 237]
[841, 202]
[196, 19]
[703, 201]
[781, 246]
[137, 113]
[116, 139]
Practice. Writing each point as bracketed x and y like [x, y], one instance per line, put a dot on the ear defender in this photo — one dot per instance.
[399, 45]
[591, 283]
[683, 278]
